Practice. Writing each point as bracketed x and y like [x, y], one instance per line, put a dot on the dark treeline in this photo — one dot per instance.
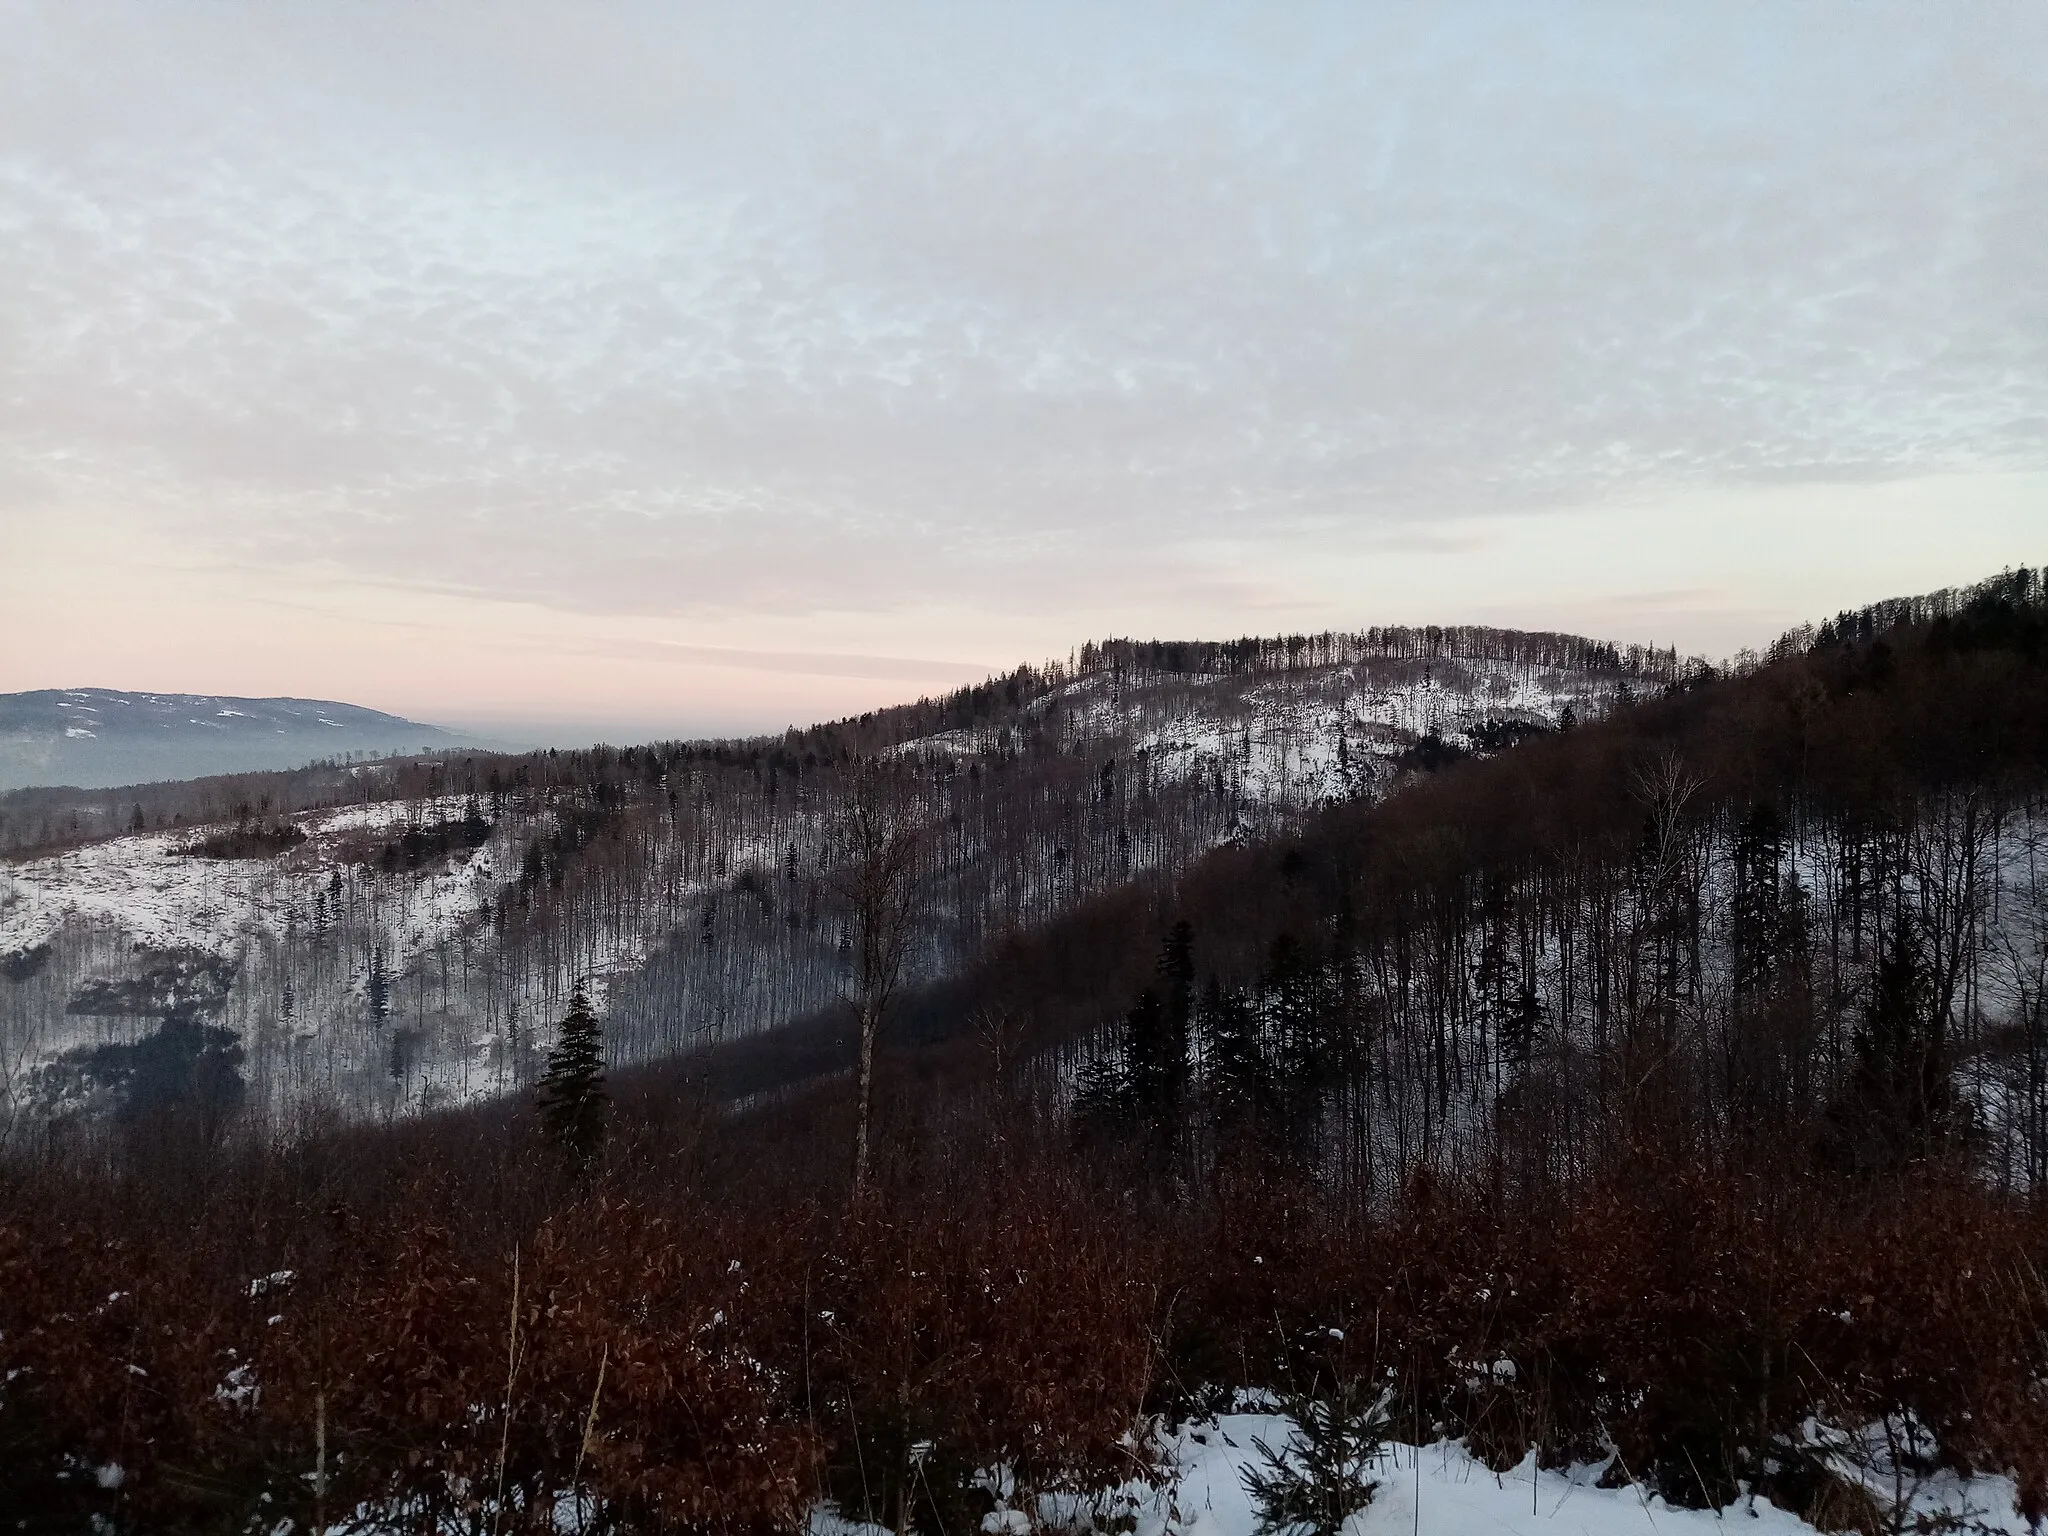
[2013, 592]
[56, 817]
[1649, 1089]
[1433, 642]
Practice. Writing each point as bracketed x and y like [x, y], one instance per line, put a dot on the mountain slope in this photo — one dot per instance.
[412, 923]
[99, 737]
[1709, 879]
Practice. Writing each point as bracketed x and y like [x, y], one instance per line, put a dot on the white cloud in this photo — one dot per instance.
[751, 319]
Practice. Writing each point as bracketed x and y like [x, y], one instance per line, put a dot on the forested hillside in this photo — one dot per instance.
[1801, 911]
[401, 934]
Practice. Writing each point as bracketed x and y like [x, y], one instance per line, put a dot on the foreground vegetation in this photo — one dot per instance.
[440, 1324]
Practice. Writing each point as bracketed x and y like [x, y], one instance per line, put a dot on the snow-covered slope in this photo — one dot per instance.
[297, 952]
[160, 896]
[1295, 739]
[1249, 754]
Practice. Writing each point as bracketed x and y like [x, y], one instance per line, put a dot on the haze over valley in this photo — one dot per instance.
[95, 738]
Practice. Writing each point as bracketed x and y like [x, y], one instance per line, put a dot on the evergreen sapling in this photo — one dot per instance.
[1321, 1476]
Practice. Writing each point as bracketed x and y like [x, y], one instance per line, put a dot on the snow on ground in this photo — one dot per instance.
[1281, 744]
[146, 885]
[1275, 737]
[381, 815]
[319, 921]
[1437, 1489]
[142, 883]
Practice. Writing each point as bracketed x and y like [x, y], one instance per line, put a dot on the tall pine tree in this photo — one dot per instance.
[1240, 1079]
[1143, 1083]
[1903, 1105]
[379, 987]
[571, 1092]
[1159, 1028]
[1759, 915]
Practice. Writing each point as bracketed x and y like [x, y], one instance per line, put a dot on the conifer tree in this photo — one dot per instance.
[1291, 995]
[1322, 1474]
[571, 1092]
[1902, 1096]
[1240, 1077]
[1143, 1083]
[1159, 1028]
[1758, 906]
[1521, 1026]
[379, 987]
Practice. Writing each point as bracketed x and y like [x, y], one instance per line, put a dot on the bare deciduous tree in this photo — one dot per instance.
[875, 878]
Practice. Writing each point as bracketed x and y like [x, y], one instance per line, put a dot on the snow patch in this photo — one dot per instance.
[1441, 1489]
[145, 885]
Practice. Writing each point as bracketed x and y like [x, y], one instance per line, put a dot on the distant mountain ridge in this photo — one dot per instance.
[94, 738]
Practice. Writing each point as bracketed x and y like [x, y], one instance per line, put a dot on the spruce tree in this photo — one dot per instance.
[1292, 997]
[1322, 1474]
[571, 1092]
[1901, 1082]
[1759, 914]
[1159, 1031]
[1241, 1082]
[379, 987]
[1521, 1027]
[1142, 1083]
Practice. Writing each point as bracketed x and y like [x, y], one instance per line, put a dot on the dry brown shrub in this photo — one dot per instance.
[757, 1355]
[1018, 1336]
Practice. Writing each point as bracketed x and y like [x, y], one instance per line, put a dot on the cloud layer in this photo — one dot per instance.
[741, 319]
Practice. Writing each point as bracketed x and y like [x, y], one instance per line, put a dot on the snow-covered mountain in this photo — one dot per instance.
[96, 737]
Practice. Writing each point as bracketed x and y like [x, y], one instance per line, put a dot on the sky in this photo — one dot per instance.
[665, 369]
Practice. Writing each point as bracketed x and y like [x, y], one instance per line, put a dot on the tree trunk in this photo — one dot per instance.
[870, 1017]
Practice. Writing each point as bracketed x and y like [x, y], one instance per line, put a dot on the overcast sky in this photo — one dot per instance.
[703, 369]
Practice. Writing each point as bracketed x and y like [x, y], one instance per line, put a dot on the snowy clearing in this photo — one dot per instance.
[146, 885]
